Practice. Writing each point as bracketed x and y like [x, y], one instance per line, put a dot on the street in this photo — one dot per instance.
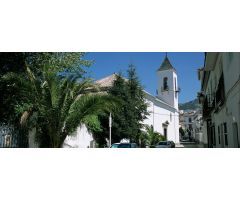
[189, 145]
[192, 145]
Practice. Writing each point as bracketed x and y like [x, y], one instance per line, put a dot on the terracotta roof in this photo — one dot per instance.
[107, 81]
[166, 65]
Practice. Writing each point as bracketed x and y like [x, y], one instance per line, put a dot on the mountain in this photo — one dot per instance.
[191, 105]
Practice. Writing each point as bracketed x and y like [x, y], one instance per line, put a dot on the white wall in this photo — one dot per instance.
[168, 96]
[159, 114]
[230, 111]
[82, 138]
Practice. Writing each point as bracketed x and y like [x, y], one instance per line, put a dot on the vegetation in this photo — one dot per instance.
[137, 106]
[181, 131]
[153, 137]
[128, 120]
[55, 97]
[10, 62]
[49, 92]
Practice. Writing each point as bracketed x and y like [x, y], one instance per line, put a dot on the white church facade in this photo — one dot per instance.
[163, 108]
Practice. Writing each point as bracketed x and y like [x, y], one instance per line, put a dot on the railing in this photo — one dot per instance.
[215, 100]
[208, 105]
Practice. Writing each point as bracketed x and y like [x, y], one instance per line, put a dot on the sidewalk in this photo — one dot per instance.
[192, 145]
[179, 146]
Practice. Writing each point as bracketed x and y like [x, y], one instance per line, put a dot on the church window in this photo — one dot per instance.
[165, 83]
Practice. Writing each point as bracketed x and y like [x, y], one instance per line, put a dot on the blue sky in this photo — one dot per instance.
[146, 64]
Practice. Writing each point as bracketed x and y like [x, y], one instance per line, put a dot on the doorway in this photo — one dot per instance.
[235, 135]
[165, 133]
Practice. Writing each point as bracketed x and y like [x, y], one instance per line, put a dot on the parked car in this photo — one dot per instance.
[166, 144]
[185, 139]
[172, 144]
[115, 145]
[127, 145]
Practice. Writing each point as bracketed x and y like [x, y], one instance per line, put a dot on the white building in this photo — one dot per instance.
[163, 108]
[198, 126]
[191, 123]
[220, 96]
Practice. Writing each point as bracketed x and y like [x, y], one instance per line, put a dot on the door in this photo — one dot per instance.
[209, 133]
[222, 137]
[235, 135]
[165, 133]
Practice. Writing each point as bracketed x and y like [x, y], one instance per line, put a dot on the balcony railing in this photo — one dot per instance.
[208, 105]
[215, 100]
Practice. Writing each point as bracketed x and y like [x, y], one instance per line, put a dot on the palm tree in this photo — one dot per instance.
[55, 106]
[153, 137]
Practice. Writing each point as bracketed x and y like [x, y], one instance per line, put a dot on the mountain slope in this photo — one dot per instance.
[191, 105]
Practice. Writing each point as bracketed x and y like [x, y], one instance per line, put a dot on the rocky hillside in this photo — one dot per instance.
[191, 105]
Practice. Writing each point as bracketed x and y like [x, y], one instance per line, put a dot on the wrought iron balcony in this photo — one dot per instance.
[208, 105]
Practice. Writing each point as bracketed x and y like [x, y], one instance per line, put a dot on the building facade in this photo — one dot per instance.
[198, 126]
[220, 97]
[191, 123]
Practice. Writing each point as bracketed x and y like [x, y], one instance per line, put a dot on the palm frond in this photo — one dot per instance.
[88, 105]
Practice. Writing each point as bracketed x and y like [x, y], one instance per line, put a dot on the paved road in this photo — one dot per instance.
[192, 145]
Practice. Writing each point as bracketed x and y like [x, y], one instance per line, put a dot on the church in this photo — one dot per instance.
[163, 108]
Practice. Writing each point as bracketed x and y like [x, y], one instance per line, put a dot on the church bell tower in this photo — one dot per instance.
[167, 83]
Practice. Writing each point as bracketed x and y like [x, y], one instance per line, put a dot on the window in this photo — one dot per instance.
[190, 127]
[235, 134]
[225, 133]
[220, 93]
[214, 135]
[225, 127]
[226, 139]
[170, 116]
[219, 136]
[165, 83]
[190, 120]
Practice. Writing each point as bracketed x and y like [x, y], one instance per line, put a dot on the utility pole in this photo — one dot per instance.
[110, 130]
